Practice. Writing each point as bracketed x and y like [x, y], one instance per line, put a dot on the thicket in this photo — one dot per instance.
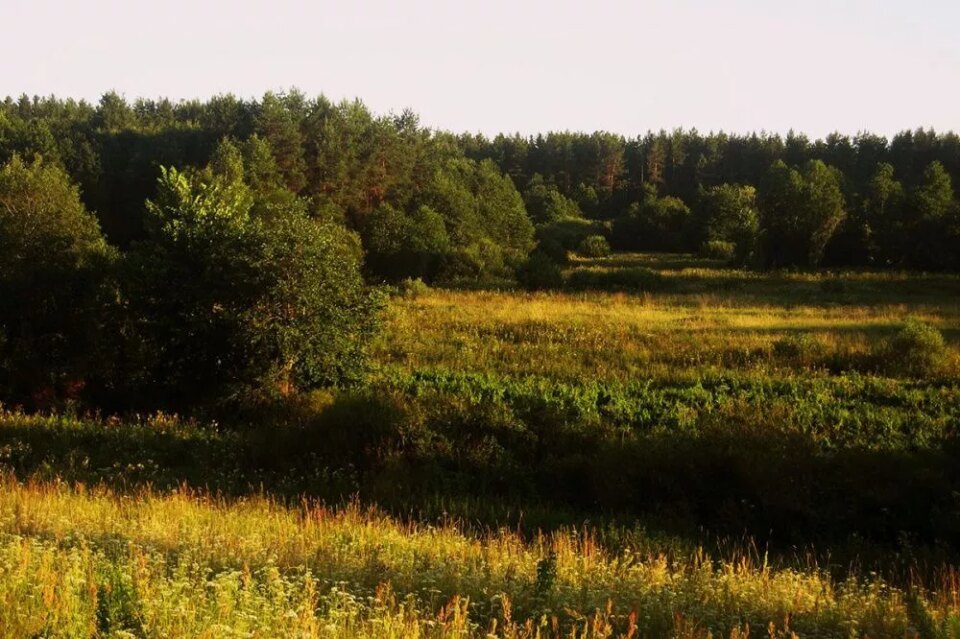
[234, 294]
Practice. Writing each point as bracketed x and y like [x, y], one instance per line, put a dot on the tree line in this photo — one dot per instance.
[166, 254]
[765, 199]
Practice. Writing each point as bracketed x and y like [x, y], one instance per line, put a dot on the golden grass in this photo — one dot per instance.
[76, 562]
[618, 335]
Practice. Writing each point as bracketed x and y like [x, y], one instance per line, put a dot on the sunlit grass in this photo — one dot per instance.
[77, 562]
[621, 335]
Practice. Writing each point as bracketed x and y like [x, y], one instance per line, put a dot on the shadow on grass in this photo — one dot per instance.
[738, 288]
[446, 456]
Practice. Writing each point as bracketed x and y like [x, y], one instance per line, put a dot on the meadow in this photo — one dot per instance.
[665, 448]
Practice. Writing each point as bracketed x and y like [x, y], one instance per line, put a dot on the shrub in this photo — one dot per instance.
[800, 349]
[554, 250]
[413, 288]
[569, 233]
[917, 349]
[594, 246]
[718, 250]
[540, 273]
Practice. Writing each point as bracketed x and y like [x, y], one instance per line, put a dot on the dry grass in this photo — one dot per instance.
[81, 563]
[619, 335]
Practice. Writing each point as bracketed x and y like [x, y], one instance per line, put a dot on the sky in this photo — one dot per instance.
[527, 66]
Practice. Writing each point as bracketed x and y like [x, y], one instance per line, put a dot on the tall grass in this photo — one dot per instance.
[706, 319]
[85, 562]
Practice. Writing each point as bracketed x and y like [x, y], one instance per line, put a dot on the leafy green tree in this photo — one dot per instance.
[824, 207]
[540, 272]
[594, 246]
[881, 225]
[502, 213]
[55, 283]
[546, 204]
[278, 123]
[587, 199]
[800, 211]
[728, 213]
[232, 303]
[655, 223]
[931, 221]
[401, 246]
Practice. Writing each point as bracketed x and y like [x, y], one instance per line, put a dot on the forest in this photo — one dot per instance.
[286, 367]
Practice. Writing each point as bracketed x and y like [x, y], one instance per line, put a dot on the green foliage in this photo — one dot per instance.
[568, 233]
[56, 286]
[553, 249]
[594, 246]
[545, 204]
[540, 272]
[932, 225]
[655, 223]
[800, 349]
[728, 213]
[414, 288]
[800, 211]
[469, 224]
[405, 246]
[718, 250]
[916, 349]
[229, 302]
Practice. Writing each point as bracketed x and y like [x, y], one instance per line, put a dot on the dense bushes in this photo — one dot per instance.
[57, 288]
[594, 246]
[718, 250]
[234, 293]
[792, 460]
[653, 224]
[227, 302]
[469, 223]
[540, 272]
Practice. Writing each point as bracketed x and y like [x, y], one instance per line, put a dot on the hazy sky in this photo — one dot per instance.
[494, 65]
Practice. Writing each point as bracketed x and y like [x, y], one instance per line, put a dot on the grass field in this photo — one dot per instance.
[708, 452]
[88, 562]
[683, 319]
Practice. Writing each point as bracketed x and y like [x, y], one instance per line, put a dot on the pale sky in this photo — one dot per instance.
[524, 65]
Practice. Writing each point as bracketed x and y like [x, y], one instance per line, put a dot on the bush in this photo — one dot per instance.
[718, 250]
[540, 273]
[918, 349]
[801, 349]
[569, 233]
[553, 249]
[594, 246]
[413, 288]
